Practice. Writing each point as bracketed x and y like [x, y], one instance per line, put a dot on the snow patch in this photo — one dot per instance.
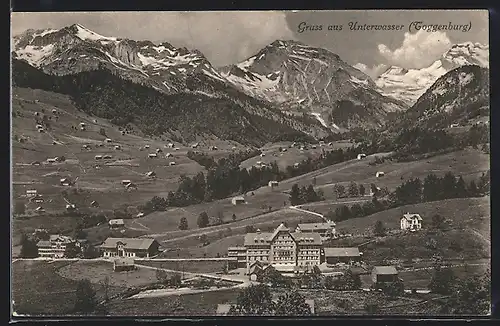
[86, 34]
[35, 55]
[320, 119]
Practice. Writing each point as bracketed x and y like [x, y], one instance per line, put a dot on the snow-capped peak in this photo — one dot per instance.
[86, 34]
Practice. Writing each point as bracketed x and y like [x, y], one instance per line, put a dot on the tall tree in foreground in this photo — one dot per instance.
[183, 223]
[255, 300]
[442, 281]
[471, 297]
[203, 220]
[292, 304]
[86, 301]
[28, 247]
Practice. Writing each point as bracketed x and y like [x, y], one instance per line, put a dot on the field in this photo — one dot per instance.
[38, 289]
[188, 266]
[96, 271]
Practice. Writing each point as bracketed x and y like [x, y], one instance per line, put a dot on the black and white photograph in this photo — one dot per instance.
[250, 163]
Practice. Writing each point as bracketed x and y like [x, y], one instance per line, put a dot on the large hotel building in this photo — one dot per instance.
[285, 249]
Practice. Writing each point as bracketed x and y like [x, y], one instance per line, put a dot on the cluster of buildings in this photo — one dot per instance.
[298, 250]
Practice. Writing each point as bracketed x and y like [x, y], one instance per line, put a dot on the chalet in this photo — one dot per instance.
[107, 157]
[94, 204]
[51, 160]
[55, 247]
[411, 222]
[59, 158]
[283, 149]
[39, 127]
[313, 147]
[116, 223]
[146, 146]
[361, 156]
[262, 154]
[240, 253]
[86, 147]
[342, 255]
[118, 147]
[123, 265]
[151, 174]
[36, 163]
[54, 111]
[65, 182]
[40, 210]
[82, 124]
[108, 140]
[296, 165]
[159, 150]
[384, 274]
[31, 193]
[37, 199]
[195, 145]
[126, 182]
[171, 163]
[70, 207]
[130, 247]
[170, 145]
[168, 155]
[41, 130]
[152, 155]
[273, 184]
[379, 174]
[83, 128]
[325, 230]
[176, 148]
[234, 148]
[141, 214]
[98, 157]
[238, 200]
[131, 186]
[454, 125]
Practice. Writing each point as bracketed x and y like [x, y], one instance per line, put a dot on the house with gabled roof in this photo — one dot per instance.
[325, 230]
[342, 255]
[411, 222]
[129, 247]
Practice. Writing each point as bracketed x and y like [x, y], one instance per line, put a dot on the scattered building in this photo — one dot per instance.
[379, 174]
[70, 207]
[151, 174]
[39, 210]
[159, 150]
[131, 186]
[296, 165]
[168, 155]
[123, 265]
[108, 140]
[325, 230]
[146, 146]
[129, 247]
[65, 182]
[126, 182]
[262, 154]
[170, 145]
[273, 184]
[37, 199]
[384, 274]
[107, 157]
[238, 200]
[171, 163]
[94, 204]
[31, 193]
[36, 163]
[51, 160]
[116, 223]
[152, 155]
[411, 222]
[118, 147]
[141, 214]
[342, 255]
[195, 145]
[55, 247]
[361, 156]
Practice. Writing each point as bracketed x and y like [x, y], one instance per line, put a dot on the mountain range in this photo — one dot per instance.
[408, 85]
[287, 85]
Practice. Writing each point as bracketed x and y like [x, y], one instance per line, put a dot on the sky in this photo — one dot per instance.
[227, 37]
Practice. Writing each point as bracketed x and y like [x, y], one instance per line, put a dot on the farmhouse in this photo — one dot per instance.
[108, 140]
[31, 193]
[65, 182]
[151, 174]
[70, 207]
[262, 154]
[240, 253]
[55, 247]
[141, 214]
[411, 222]
[285, 250]
[116, 223]
[36, 199]
[126, 182]
[342, 255]
[213, 148]
[118, 147]
[40, 210]
[129, 247]
[54, 111]
[51, 160]
[238, 200]
[152, 155]
[159, 150]
[41, 130]
[171, 163]
[146, 146]
[131, 186]
[170, 145]
[194, 145]
[168, 155]
[39, 127]
[123, 265]
[273, 184]
[296, 165]
[379, 174]
[361, 156]
[384, 274]
[325, 230]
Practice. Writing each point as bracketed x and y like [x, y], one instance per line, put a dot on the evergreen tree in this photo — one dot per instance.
[431, 191]
[292, 304]
[183, 223]
[28, 247]
[339, 190]
[356, 210]
[203, 220]
[310, 194]
[234, 217]
[472, 190]
[449, 185]
[353, 189]
[295, 195]
[379, 229]
[86, 301]
[461, 188]
[438, 222]
[361, 190]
